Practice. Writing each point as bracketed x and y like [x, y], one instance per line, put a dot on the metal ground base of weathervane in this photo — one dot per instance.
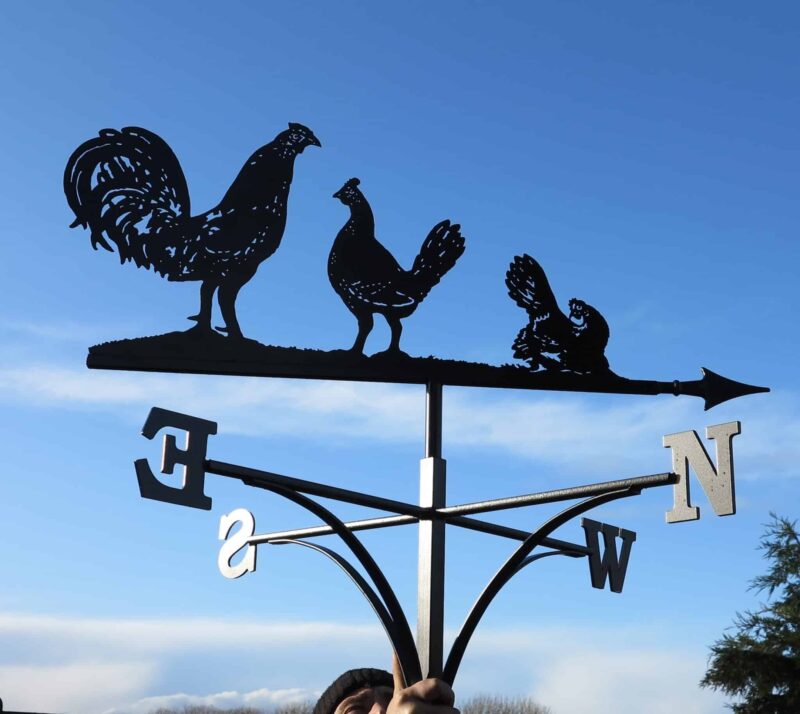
[424, 655]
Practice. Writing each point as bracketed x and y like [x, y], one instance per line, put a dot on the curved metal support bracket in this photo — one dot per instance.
[400, 633]
[389, 625]
[532, 558]
[515, 562]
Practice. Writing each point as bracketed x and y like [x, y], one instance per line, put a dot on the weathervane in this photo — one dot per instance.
[127, 187]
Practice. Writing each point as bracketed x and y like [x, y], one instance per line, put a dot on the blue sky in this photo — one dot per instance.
[646, 153]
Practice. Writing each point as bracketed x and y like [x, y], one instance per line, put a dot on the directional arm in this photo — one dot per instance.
[452, 515]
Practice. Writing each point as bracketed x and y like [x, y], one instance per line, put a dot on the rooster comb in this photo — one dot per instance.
[352, 183]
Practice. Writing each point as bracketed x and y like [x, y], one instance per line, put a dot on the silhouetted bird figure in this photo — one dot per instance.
[551, 339]
[368, 278]
[129, 189]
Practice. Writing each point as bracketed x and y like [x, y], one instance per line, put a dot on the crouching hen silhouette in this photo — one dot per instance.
[368, 278]
[551, 339]
[128, 188]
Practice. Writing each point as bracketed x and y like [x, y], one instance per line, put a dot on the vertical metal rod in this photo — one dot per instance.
[431, 566]
[433, 420]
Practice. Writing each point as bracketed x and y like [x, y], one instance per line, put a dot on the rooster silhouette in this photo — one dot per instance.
[551, 339]
[128, 188]
[369, 279]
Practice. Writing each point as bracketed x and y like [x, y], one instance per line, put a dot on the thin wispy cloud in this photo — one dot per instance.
[566, 431]
[62, 330]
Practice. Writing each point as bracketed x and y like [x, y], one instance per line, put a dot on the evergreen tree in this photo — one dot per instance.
[760, 663]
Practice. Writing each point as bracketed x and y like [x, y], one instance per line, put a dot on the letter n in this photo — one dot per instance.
[688, 450]
[608, 566]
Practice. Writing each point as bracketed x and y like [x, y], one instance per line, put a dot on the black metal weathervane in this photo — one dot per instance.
[128, 189]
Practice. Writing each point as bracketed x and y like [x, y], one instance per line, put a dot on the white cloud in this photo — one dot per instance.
[87, 665]
[265, 699]
[568, 431]
[92, 665]
[147, 636]
[625, 681]
[80, 687]
[626, 670]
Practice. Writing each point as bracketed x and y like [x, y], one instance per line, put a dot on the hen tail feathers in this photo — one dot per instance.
[438, 254]
[528, 286]
[126, 187]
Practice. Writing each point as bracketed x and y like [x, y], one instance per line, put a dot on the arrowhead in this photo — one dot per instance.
[715, 389]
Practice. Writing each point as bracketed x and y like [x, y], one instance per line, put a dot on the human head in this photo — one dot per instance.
[357, 691]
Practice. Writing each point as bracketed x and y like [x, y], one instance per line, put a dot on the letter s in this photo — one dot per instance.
[235, 543]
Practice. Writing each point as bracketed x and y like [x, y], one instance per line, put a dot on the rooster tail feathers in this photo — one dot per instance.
[126, 186]
[438, 254]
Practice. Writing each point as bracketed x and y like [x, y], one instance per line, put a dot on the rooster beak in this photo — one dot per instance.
[314, 141]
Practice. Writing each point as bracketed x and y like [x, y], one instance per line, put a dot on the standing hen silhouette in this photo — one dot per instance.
[369, 279]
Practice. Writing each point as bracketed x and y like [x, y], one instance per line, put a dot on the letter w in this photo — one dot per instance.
[608, 565]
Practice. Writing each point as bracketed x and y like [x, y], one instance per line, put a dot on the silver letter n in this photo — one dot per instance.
[688, 450]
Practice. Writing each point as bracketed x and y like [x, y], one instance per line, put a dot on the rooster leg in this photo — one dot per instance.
[227, 305]
[365, 323]
[203, 318]
[397, 329]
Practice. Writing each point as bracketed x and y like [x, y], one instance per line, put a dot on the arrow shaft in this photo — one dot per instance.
[314, 364]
